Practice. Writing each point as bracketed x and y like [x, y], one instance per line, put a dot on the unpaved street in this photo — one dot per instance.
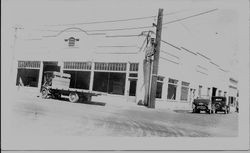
[36, 116]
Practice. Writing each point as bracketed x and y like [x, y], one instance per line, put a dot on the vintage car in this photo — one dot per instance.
[202, 103]
[237, 107]
[220, 104]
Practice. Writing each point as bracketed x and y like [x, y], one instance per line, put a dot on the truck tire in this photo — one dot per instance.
[73, 97]
[44, 93]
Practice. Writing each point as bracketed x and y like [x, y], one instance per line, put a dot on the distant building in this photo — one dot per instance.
[233, 91]
[116, 66]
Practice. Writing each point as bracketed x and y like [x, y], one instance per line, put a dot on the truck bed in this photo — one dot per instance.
[82, 91]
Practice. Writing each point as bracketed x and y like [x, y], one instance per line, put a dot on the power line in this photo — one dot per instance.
[111, 21]
[117, 52]
[98, 22]
[119, 46]
[147, 27]
[177, 20]
[170, 44]
[98, 30]
[130, 28]
[120, 29]
[124, 35]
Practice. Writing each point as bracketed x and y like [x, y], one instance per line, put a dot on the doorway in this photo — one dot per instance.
[50, 66]
[214, 91]
[132, 90]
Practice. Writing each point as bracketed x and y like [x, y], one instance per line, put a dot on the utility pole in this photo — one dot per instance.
[13, 47]
[157, 46]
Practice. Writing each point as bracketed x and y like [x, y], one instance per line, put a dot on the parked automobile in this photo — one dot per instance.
[202, 103]
[220, 104]
[237, 107]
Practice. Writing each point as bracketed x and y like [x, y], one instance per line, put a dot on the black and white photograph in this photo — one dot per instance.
[125, 75]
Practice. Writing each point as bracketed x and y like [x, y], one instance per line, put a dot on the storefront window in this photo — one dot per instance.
[184, 90]
[101, 81]
[159, 90]
[79, 79]
[159, 87]
[110, 82]
[27, 77]
[172, 88]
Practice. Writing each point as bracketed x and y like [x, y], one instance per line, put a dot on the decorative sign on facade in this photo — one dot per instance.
[71, 41]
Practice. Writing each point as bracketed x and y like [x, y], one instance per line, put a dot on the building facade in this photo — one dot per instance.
[116, 66]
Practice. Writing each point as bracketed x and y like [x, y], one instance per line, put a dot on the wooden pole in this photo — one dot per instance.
[156, 60]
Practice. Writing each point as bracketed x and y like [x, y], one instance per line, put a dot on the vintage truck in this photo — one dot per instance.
[57, 84]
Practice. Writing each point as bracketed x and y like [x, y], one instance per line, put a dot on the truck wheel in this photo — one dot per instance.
[45, 93]
[73, 97]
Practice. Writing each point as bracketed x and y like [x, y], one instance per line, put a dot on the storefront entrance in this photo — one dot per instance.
[50, 66]
[132, 90]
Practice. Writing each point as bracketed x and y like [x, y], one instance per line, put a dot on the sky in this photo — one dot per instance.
[214, 34]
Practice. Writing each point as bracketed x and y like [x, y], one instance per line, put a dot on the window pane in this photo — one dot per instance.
[101, 81]
[133, 75]
[173, 81]
[79, 79]
[185, 83]
[83, 80]
[133, 66]
[77, 65]
[184, 93]
[159, 90]
[27, 77]
[116, 83]
[160, 78]
[110, 66]
[29, 64]
[172, 91]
